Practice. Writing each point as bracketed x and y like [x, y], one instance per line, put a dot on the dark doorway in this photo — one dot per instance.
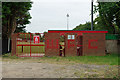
[62, 46]
[79, 45]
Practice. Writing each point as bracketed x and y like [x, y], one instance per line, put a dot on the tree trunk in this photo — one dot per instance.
[12, 26]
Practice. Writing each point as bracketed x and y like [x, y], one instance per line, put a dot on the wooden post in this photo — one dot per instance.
[22, 48]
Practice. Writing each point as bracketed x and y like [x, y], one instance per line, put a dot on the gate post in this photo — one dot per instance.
[52, 44]
[13, 37]
[70, 44]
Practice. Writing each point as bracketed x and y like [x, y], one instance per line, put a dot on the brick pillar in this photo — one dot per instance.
[52, 44]
[13, 38]
[70, 45]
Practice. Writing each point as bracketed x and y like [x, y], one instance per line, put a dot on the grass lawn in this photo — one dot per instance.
[111, 59]
[34, 49]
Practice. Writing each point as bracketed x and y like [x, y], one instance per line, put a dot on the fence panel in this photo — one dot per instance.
[30, 45]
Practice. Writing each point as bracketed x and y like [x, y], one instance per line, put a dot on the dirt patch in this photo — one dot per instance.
[56, 70]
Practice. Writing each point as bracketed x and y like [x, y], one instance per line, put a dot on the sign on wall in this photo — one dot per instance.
[71, 36]
[36, 39]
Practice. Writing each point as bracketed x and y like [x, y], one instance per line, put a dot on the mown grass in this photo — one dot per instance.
[34, 49]
[26, 49]
[111, 59]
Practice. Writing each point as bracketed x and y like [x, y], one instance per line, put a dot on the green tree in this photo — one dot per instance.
[43, 37]
[15, 15]
[109, 16]
[86, 26]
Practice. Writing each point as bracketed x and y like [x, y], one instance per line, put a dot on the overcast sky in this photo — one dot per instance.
[51, 14]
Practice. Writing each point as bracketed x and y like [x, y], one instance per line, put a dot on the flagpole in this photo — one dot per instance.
[91, 14]
[67, 21]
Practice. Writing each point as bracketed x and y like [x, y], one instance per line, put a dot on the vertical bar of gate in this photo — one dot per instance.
[40, 50]
[22, 36]
[30, 44]
[17, 46]
[25, 43]
[39, 46]
[28, 40]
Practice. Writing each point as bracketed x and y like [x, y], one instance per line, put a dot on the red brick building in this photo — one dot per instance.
[76, 43]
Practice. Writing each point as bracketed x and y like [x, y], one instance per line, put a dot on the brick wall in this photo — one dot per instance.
[52, 44]
[94, 44]
[70, 45]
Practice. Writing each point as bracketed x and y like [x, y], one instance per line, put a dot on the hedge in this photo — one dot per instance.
[112, 36]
